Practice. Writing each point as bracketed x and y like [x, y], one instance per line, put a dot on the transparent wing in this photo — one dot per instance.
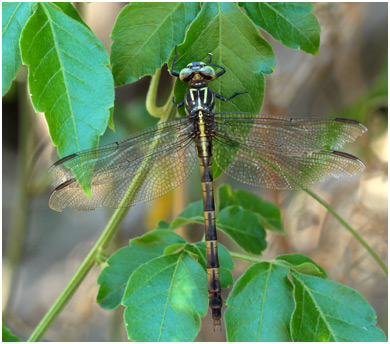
[282, 153]
[144, 166]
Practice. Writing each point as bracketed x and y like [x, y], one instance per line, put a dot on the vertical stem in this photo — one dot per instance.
[79, 276]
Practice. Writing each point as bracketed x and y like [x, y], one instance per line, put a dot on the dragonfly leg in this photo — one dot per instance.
[172, 72]
[226, 99]
[222, 72]
[177, 104]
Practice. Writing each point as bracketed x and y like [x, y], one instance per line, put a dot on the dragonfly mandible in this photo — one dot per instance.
[260, 150]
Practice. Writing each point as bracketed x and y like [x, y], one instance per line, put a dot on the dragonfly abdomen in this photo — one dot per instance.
[204, 149]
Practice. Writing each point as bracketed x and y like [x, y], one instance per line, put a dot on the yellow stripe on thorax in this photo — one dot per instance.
[202, 128]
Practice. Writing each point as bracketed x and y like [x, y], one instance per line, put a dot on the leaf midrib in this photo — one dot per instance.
[168, 296]
[63, 73]
[264, 301]
[318, 308]
[10, 19]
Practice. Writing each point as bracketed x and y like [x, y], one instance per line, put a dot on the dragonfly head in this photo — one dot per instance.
[197, 71]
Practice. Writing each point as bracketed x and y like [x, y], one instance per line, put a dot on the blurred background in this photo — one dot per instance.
[42, 249]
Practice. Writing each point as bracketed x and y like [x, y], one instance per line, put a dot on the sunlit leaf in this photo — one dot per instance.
[70, 11]
[68, 80]
[15, 16]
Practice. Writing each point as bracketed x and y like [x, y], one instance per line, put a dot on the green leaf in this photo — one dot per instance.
[269, 213]
[192, 214]
[68, 9]
[69, 81]
[144, 35]
[225, 261]
[173, 248]
[111, 120]
[163, 225]
[113, 279]
[7, 336]
[291, 23]
[244, 227]
[15, 16]
[327, 312]
[165, 298]
[302, 264]
[225, 31]
[260, 305]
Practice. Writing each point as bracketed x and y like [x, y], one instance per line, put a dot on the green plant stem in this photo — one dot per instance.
[79, 276]
[351, 230]
[102, 242]
[163, 112]
[245, 257]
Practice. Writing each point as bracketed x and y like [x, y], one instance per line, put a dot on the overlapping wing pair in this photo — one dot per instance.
[265, 151]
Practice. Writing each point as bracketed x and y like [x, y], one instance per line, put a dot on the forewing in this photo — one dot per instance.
[283, 153]
[143, 167]
[289, 134]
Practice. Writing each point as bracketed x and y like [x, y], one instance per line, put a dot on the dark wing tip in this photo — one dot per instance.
[345, 155]
[359, 164]
[52, 200]
[351, 121]
[61, 161]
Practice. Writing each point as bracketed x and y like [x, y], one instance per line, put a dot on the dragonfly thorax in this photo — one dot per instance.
[199, 98]
[203, 125]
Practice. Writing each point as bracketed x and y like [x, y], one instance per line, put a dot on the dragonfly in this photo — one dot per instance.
[260, 150]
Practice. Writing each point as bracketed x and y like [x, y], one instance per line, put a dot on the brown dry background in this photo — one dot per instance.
[348, 77]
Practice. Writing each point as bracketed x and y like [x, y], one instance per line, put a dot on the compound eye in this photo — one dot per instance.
[185, 74]
[208, 72]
